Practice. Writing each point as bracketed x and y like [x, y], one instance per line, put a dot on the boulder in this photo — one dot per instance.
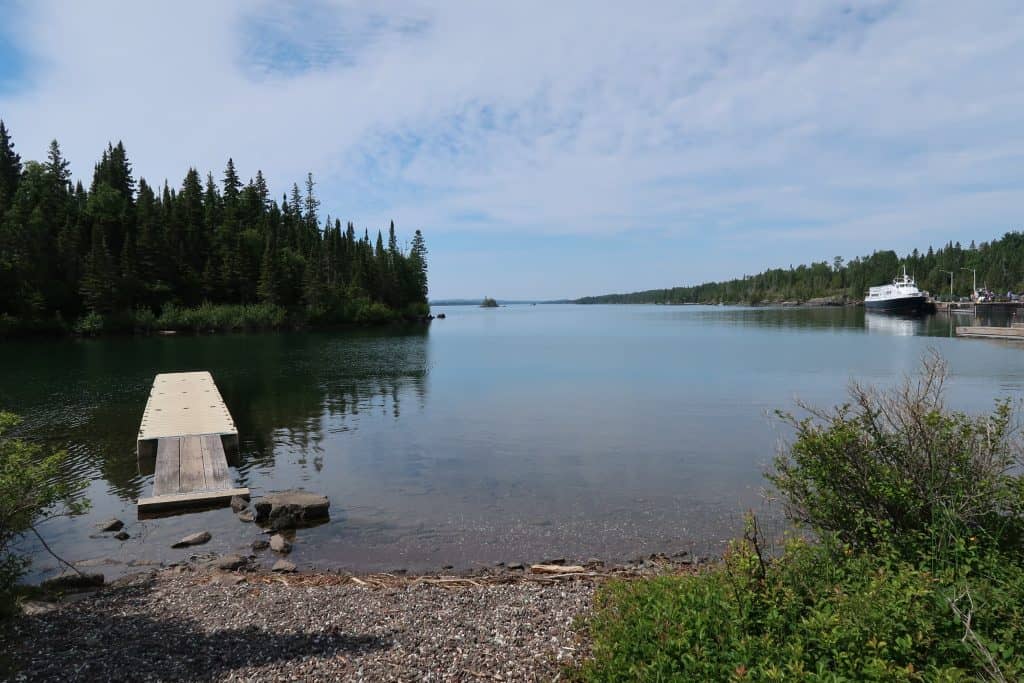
[283, 566]
[279, 544]
[246, 516]
[122, 536]
[193, 539]
[289, 509]
[112, 524]
[70, 580]
[238, 503]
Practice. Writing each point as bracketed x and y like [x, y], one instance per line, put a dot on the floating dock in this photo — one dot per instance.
[1015, 331]
[187, 427]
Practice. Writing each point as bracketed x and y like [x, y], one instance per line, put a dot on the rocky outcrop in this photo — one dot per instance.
[290, 509]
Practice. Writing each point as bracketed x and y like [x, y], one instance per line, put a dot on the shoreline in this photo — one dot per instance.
[495, 623]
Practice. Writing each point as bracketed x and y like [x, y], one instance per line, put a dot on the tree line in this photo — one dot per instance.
[998, 265]
[123, 251]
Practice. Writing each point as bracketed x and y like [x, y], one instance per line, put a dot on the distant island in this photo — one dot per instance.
[212, 254]
[489, 303]
[999, 266]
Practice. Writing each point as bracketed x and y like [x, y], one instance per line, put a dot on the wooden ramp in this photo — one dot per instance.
[187, 426]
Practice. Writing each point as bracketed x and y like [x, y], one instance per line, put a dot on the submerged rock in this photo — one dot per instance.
[229, 562]
[283, 566]
[289, 509]
[280, 544]
[260, 544]
[238, 503]
[112, 524]
[246, 516]
[193, 539]
[72, 581]
[122, 536]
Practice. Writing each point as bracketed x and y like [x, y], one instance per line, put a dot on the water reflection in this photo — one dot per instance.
[891, 324]
[282, 390]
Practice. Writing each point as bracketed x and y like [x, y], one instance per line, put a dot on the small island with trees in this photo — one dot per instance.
[489, 303]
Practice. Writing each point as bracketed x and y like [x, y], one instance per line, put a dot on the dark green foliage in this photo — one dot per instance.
[896, 467]
[489, 303]
[123, 254]
[999, 265]
[816, 613]
[34, 486]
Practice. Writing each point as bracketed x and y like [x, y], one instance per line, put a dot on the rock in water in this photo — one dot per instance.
[260, 544]
[280, 544]
[72, 581]
[122, 536]
[246, 516]
[238, 503]
[230, 562]
[112, 524]
[289, 509]
[193, 539]
[283, 566]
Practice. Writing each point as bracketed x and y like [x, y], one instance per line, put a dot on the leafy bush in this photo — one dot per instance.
[897, 466]
[90, 324]
[815, 614]
[221, 317]
[33, 487]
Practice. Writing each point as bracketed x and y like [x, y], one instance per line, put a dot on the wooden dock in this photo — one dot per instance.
[1015, 331]
[187, 427]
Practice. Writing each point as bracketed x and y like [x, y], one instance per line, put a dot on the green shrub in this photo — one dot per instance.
[896, 466]
[209, 317]
[814, 614]
[33, 486]
[90, 324]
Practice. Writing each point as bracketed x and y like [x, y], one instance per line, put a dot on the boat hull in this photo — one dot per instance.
[906, 305]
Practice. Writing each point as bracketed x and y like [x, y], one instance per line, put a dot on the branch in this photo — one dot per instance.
[55, 555]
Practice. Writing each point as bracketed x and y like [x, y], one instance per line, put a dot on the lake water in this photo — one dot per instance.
[511, 434]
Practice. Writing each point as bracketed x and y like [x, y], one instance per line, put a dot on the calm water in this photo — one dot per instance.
[513, 434]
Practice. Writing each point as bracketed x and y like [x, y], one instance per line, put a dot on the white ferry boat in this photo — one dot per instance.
[901, 296]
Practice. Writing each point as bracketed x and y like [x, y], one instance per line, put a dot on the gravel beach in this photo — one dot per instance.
[187, 624]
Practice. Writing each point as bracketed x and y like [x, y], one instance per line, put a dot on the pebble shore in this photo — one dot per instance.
[185, 624]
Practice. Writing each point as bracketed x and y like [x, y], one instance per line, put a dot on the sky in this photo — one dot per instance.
[553, 150]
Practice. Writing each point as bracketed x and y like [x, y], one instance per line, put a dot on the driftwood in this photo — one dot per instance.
[556, 569]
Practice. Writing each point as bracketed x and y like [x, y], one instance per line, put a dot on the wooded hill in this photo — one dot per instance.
[999, 265]
[124, 252]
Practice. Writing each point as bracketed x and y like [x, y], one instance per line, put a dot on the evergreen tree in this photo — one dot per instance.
[10, 170]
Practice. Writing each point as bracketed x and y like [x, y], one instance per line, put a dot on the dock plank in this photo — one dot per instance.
[215, 458]
[184, 500]
[166, 479]
[193, 475]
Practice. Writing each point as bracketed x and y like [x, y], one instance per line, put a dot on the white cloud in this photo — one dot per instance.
[757, 121]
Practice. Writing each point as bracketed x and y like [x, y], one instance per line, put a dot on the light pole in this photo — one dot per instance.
[950, 284]
[974, 288]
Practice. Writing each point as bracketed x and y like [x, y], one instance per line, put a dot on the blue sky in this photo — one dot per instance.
[557, 149]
